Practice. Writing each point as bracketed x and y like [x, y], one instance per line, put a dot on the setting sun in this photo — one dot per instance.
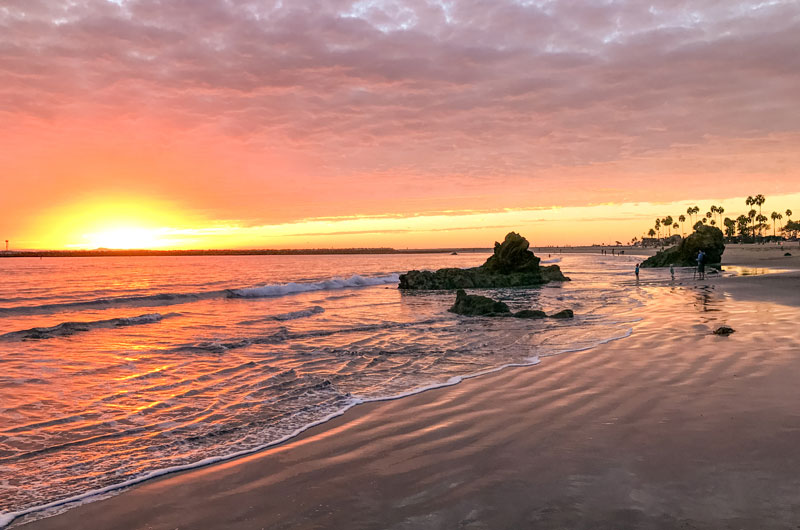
[125, 238]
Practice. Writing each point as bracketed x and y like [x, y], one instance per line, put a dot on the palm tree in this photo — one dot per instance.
[675, 226]
[775, 217]
[720, 211]
[713, 209]
[761, 220]
[651, 233]
[788, 215]
[759, 200]
[742, 221]
[693, 210]
[682, 219]
[658, 227]
[730, 227]
[752, 216]
[667, 221]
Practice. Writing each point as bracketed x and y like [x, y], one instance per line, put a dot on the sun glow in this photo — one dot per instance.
[113, 223]
[126, 238]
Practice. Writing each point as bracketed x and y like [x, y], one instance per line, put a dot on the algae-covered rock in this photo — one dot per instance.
[511, 265]
[709, 239]
[475, 305]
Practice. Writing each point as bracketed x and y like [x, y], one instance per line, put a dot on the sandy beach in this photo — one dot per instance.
[672, 427]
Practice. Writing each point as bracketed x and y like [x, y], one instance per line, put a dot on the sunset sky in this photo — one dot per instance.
[419, 123]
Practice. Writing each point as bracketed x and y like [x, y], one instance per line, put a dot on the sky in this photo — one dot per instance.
[419, 123]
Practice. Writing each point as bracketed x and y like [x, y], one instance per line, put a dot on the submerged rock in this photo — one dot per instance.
[474, 305]
[530, 313]
[564, 313]
[709, 239]
[511, 265]
[724, 330]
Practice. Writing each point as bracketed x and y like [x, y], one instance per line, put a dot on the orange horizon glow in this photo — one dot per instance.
[142, 224]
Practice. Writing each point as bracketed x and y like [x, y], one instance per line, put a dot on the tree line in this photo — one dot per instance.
[748, 227]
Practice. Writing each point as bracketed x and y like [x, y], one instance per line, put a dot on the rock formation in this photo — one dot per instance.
[476, 305]
[511, 265]
[707, 238]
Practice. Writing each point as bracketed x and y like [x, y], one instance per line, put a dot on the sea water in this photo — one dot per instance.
[114, 370]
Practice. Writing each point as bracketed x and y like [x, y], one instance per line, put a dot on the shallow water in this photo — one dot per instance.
[115, 368]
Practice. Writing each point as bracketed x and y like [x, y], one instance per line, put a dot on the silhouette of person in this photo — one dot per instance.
[701, 265]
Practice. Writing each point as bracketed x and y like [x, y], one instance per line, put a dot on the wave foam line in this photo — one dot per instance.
[66, 329]
[161, 299]
[625, 335]
[281, 289]
[292, 315]
[9, 517]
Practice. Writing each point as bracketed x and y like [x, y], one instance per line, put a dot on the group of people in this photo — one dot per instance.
[701, 267]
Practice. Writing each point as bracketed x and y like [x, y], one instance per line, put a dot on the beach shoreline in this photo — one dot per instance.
[610, 438]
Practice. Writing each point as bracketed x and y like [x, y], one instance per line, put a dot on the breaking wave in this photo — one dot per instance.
[281, 289]
[163, 299]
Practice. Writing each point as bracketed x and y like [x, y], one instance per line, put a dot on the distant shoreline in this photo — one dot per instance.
[226, 252]
[295, 252]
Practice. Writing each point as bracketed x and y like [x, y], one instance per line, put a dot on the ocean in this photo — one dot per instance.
[115, 370]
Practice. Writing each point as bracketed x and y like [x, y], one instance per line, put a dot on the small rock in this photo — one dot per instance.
[788, 254]
[723, 330]
[474, 305]
[564, 313]
[530, 313]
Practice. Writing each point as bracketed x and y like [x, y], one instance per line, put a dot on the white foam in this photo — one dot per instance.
[282, 289]
[553, 260]
[141, 319]
[93, 495]
[7, 518]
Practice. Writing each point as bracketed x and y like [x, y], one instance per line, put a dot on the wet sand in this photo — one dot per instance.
[673, 427]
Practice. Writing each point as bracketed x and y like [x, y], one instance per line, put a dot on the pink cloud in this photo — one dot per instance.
[380, 106]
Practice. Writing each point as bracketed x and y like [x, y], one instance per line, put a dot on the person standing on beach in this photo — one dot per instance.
[637, 271]
[701, 265]
[671, 271]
